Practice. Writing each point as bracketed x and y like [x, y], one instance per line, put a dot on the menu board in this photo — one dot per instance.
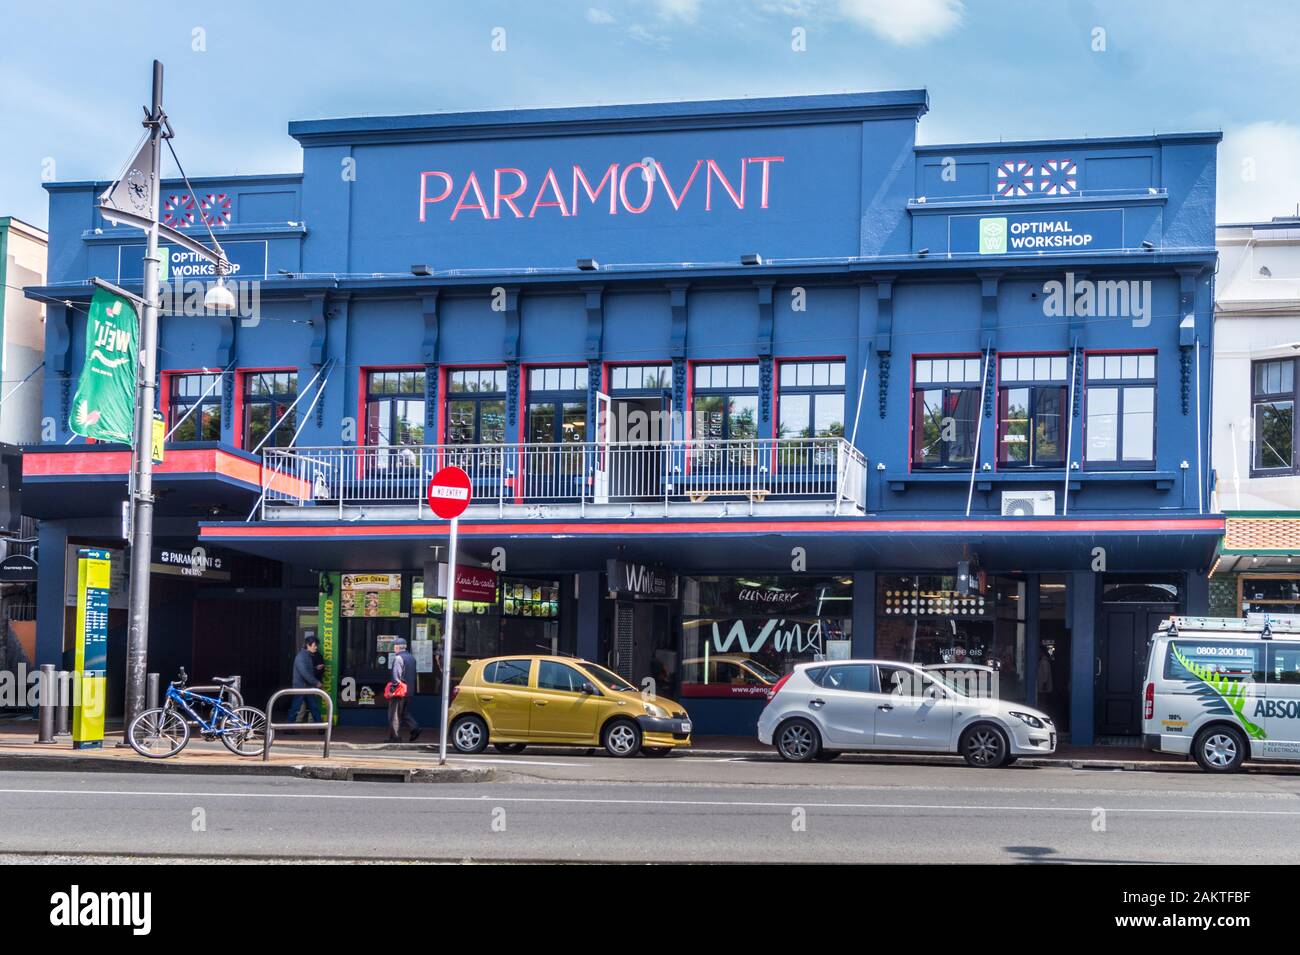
[530, 598]
[371, 595]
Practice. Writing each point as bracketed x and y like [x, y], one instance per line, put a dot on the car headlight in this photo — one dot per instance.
[1028, 718]
[656, 711]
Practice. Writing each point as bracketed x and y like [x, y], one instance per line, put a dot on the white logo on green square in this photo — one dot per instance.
[993, 236]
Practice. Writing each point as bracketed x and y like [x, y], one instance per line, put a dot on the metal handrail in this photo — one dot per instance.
[826, 468]
[271, 726]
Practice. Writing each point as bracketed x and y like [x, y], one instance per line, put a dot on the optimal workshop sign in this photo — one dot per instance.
[94, 581]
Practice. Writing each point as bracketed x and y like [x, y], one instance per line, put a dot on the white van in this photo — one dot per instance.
[1224, 689]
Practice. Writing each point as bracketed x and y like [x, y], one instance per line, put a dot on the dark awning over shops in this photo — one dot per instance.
[1001, 544]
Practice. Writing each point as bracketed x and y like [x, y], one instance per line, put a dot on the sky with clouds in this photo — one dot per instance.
[74, 74]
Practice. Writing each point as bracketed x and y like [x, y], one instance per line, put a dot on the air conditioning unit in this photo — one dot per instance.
[1028, 503]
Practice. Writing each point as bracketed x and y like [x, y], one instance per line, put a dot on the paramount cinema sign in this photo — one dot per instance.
[632, 188]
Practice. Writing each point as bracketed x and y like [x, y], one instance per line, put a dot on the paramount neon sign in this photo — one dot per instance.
[632, 188]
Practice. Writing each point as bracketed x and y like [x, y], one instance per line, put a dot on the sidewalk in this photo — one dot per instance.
[360, 752]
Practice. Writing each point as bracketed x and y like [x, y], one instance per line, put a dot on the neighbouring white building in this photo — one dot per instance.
[1256, 431]
[22, 330]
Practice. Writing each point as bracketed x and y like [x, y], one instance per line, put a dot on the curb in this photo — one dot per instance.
[36, 762]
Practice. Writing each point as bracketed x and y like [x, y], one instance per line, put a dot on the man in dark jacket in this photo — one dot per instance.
[398, 713]
[305, 676]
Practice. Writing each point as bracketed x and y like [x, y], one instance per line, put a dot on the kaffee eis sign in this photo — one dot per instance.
[630, 188]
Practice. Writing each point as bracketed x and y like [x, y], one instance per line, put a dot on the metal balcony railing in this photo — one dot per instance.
[588, 473]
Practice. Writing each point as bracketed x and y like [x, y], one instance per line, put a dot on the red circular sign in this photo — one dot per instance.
[449, 493]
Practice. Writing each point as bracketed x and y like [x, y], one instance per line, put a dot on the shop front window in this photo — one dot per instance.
[740, 635]
[1269, 593]
[924, 619]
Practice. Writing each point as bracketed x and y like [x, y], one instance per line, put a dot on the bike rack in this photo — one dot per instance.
[327, 726]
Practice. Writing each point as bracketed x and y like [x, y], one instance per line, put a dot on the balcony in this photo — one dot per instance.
[775, 477]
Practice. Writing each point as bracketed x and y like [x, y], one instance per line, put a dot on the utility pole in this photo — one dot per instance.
[137, 640]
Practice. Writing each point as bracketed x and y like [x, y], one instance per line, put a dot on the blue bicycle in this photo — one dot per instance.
[165, 731]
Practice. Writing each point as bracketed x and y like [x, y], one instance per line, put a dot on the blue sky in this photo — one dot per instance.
[238, 71]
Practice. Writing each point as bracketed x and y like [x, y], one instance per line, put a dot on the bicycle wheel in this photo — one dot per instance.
[244, 731]
[159, 733]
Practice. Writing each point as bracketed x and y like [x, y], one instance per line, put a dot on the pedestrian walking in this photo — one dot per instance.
[306, 676]
[399, 691]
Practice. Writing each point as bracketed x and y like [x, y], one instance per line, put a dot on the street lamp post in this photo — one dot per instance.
[137, 641]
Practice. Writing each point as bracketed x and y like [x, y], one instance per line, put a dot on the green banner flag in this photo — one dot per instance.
[104, 406]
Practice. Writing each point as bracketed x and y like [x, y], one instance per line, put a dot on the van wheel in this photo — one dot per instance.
[1220, 749]
[469, 735]
[798, 741]
[510, 747]
[984, 746]
[621, 738]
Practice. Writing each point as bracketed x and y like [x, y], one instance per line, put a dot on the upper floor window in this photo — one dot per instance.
[1273, 397]
[557, 405]
[640, 378]
[812, 399]
[268, 396]
[476, 406]
[724, 402]
[1032, 411]
[945, 411]
[1120, 422]
[395, 406]
[199, 396]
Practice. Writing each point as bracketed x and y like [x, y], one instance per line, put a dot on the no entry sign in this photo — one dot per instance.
[449, 493]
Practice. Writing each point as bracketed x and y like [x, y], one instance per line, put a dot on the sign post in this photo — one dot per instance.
[449, 494]
[94, 580]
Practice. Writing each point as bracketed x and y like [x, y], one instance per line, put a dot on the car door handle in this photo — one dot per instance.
[487, 699]
[539, 702]
[816, 702]
[885, 706]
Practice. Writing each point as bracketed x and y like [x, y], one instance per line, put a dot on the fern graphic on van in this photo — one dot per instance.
[1220, 694]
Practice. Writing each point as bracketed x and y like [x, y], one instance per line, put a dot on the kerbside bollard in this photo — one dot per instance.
[63, 705]
[152, 692]
[45, 733]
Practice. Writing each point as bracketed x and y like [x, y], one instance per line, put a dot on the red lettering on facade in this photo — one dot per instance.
[766, 162]
[424, 196]
[549, 180]
[714, 169]
[481, 205]
[649, 181]
[677, 200]
[508, 198]
[611, 175]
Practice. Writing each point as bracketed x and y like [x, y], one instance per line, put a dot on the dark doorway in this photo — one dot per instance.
[1131, 610]
[640, 428]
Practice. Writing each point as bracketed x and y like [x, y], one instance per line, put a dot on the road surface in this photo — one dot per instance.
[577, 808]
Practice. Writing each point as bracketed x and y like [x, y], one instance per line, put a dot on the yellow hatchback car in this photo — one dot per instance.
[560, 701]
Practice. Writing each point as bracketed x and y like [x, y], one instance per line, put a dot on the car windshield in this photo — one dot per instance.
[609, 678]
[762, 672]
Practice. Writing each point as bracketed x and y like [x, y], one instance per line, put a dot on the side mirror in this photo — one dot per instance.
[588, 689]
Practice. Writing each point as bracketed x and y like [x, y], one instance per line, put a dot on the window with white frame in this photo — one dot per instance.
[1120, 417]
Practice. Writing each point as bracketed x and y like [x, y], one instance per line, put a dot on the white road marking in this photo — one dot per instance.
[689, 803]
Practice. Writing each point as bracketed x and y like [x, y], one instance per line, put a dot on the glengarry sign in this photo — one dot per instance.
[104, 405]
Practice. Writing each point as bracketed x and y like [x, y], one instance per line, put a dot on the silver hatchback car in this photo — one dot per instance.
[823, 709]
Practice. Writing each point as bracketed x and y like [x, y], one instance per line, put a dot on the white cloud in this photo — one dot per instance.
[1259, 172]
[596, 15]
[905, 22]
[684, 11]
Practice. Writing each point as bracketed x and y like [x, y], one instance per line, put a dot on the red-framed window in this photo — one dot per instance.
[1033, 412]
[266, 397]
[198, 394]
[945, 410]
[394, 400]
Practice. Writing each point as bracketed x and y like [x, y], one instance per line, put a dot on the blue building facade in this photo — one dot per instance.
[737, 383]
